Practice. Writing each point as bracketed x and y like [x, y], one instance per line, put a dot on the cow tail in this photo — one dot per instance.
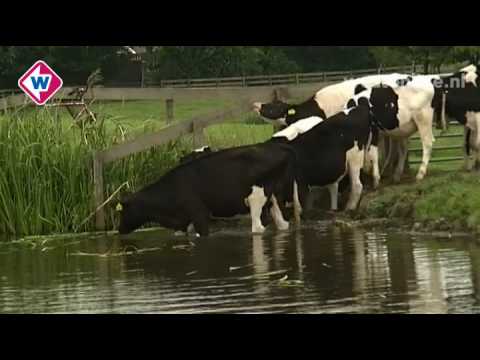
[444, 112]
[297, 181]
[367, 149]
[389, 154]
[297, 206]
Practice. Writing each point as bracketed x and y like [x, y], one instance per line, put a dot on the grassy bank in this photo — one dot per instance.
[46, 162]
[443, 201]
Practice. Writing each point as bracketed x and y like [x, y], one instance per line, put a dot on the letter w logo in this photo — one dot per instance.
[40, 82]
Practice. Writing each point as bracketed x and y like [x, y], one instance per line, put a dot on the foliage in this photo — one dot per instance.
[75, 63]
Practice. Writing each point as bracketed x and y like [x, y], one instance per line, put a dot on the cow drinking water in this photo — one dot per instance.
[221, 184]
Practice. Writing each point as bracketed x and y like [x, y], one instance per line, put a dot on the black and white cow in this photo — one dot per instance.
[328, 150]
[221, 184]
[461, 94]
[284, 115]
[415, 112]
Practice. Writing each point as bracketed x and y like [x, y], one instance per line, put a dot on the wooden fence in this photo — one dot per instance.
[434, 159]
[194, 126]
[286, 79]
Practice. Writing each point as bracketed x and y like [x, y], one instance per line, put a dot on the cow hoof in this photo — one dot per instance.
[351, 212]
[258, 230]
[283, 227]
[332, 212]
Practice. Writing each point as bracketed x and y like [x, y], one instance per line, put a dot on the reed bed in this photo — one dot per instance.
[46, 175]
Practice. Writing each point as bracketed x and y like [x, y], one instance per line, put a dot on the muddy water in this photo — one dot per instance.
[317, 269]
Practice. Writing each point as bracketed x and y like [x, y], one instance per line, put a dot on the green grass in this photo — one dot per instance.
[46, 181]
[442, 201]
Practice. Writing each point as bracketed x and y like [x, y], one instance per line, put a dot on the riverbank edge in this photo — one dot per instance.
[446, 204]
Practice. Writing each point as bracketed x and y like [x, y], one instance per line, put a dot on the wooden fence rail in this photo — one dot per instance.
[194, 126]
[283, 79]
[440, 148]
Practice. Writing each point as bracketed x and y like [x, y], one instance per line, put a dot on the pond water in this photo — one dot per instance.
[317, 269]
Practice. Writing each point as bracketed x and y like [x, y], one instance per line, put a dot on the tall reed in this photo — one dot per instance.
[46, 171]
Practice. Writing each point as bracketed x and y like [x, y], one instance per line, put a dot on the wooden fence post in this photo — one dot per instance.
[198, 135]
[276, 95]
[169, 103]
[297, 79]
[98, 191]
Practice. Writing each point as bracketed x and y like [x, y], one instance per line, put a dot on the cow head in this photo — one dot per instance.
[470, 74]
[384, 107]
[131, 215]
[285, 114]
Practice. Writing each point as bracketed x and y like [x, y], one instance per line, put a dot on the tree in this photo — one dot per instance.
[435, 56]
[218, 61]
[428, 56]
[470, 53]
[390, 55]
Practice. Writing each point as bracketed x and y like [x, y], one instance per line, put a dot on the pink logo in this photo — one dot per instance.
[40, 83]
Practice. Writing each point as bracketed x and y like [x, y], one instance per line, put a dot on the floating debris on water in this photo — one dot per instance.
[260, 276]
[236, 268]
[182, 247]
[108, 254]
[290, 283]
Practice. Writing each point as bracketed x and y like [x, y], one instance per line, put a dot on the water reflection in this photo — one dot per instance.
[336, 271]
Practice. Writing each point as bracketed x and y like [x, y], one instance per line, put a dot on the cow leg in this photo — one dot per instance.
[200, 217]
[256, 201]
[354, 167]
[189, 231]
[426, 134]
[200, 224]
[402, 149]
[477, 162]
[277, 215]
[374, 160]
[297, 207]
[333, 189]
[469, 162]
[301, 195]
